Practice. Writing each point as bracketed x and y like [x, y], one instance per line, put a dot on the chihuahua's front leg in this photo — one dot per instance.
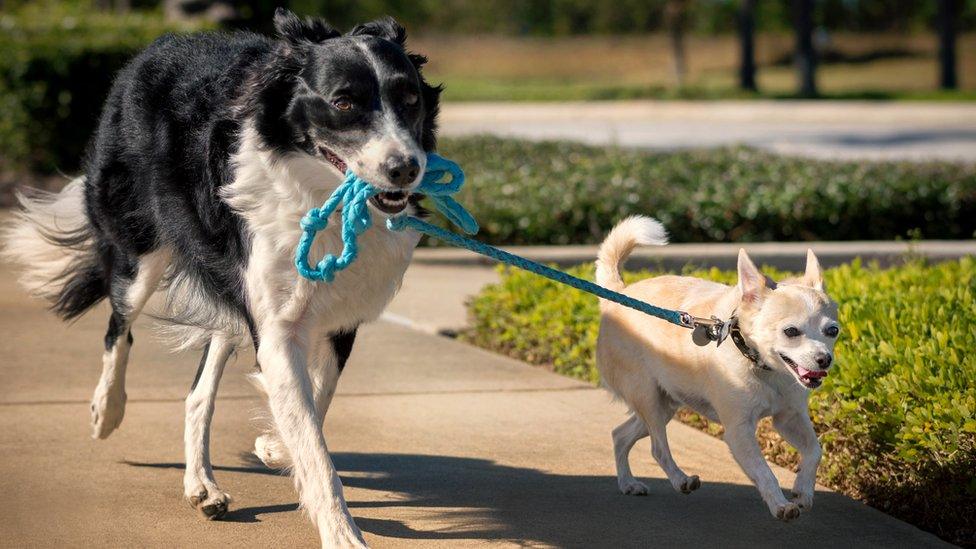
[741, 438]
[797, 429]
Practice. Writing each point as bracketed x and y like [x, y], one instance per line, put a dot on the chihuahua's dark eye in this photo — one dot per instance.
[410, 99]
[342, 104]
[792, 331]
[831, 331]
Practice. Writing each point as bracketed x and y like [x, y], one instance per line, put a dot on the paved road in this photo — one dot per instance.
[439, 445]
[822, 129]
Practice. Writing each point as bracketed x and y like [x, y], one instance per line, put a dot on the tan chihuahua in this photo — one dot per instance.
[782, 344]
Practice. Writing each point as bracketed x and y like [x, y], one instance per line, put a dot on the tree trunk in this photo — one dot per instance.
[675, 15]
[947, 44]
[805, 57]
[747, 49]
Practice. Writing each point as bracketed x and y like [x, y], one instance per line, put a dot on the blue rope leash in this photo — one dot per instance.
[354, 194]
[402, 222]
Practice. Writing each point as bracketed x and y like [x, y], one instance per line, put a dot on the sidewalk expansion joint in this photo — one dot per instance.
[338, 395]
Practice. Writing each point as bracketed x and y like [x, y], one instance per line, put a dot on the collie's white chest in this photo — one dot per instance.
[272, 194]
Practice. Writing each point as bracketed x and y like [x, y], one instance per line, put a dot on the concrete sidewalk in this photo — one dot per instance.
[439, 445]
[874, 130]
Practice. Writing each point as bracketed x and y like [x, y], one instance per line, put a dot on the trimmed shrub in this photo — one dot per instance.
[897, 415]
[564, 193]
[56, 67]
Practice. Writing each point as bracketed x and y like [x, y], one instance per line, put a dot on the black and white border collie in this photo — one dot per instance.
[209, 151]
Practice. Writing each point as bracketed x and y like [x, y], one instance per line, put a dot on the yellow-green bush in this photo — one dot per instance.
[566, 193]
[897, 415]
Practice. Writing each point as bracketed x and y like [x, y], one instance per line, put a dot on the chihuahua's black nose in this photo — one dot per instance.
[823, 360]
[403, 171]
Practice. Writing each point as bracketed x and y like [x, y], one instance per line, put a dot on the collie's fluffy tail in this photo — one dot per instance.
[620, 242]
[53, 242]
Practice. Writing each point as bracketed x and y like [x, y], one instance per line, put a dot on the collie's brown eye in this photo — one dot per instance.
[410, 99]
[832, 331]
[342, 104]
[792, 331]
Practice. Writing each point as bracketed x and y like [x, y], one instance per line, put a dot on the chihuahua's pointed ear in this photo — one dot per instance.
[752, 283]
[296, 30]
[813, 277]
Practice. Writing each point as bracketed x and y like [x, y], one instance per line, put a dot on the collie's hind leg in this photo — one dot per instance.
[132, 283]
[199, 485]
[624, 437]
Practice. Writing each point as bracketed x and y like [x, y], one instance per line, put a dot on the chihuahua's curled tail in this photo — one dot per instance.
[630, 232]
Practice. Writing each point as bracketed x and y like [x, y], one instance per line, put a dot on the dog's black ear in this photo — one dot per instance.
[297, 30]
[384, 27]
[432, 100]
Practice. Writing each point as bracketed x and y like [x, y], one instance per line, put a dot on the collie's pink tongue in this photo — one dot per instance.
[810, 373]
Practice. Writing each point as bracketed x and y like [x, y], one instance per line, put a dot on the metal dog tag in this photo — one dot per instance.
[700, 335]
[705, 333]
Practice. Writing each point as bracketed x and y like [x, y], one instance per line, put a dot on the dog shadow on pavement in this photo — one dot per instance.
[458, 498]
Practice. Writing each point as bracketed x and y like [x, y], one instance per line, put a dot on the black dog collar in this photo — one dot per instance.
[740, 342]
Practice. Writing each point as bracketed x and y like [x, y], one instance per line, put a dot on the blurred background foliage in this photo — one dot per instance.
[575, 17]
[58, 57]
[555, 17]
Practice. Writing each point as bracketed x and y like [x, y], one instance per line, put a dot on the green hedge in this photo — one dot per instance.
[56, 66]
[897, 416]
[562, 193]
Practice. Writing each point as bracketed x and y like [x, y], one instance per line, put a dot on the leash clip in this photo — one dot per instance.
[707, 330]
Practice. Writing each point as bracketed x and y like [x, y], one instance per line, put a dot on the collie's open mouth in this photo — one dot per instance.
[810, 379]
[388, 202]
[334, 159]
[391, 202]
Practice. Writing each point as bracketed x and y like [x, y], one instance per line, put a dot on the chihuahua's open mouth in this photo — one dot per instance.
[388, 202]
[810, 379]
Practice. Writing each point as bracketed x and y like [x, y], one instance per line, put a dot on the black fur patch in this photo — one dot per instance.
[342, 342]
[203, 364]
[116, 325]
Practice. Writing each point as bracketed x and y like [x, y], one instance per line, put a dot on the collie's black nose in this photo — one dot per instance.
[403, 171]
[823, 360]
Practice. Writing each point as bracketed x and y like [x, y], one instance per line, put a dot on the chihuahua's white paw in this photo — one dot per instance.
[787, 511]
[632, 487]
[689, 485]
[803, 499]
[271, 450]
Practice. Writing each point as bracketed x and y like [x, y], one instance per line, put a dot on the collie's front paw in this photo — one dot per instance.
[347, 536]
[211, 503]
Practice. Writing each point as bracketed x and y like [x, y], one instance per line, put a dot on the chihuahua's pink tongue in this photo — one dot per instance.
[810, 373]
